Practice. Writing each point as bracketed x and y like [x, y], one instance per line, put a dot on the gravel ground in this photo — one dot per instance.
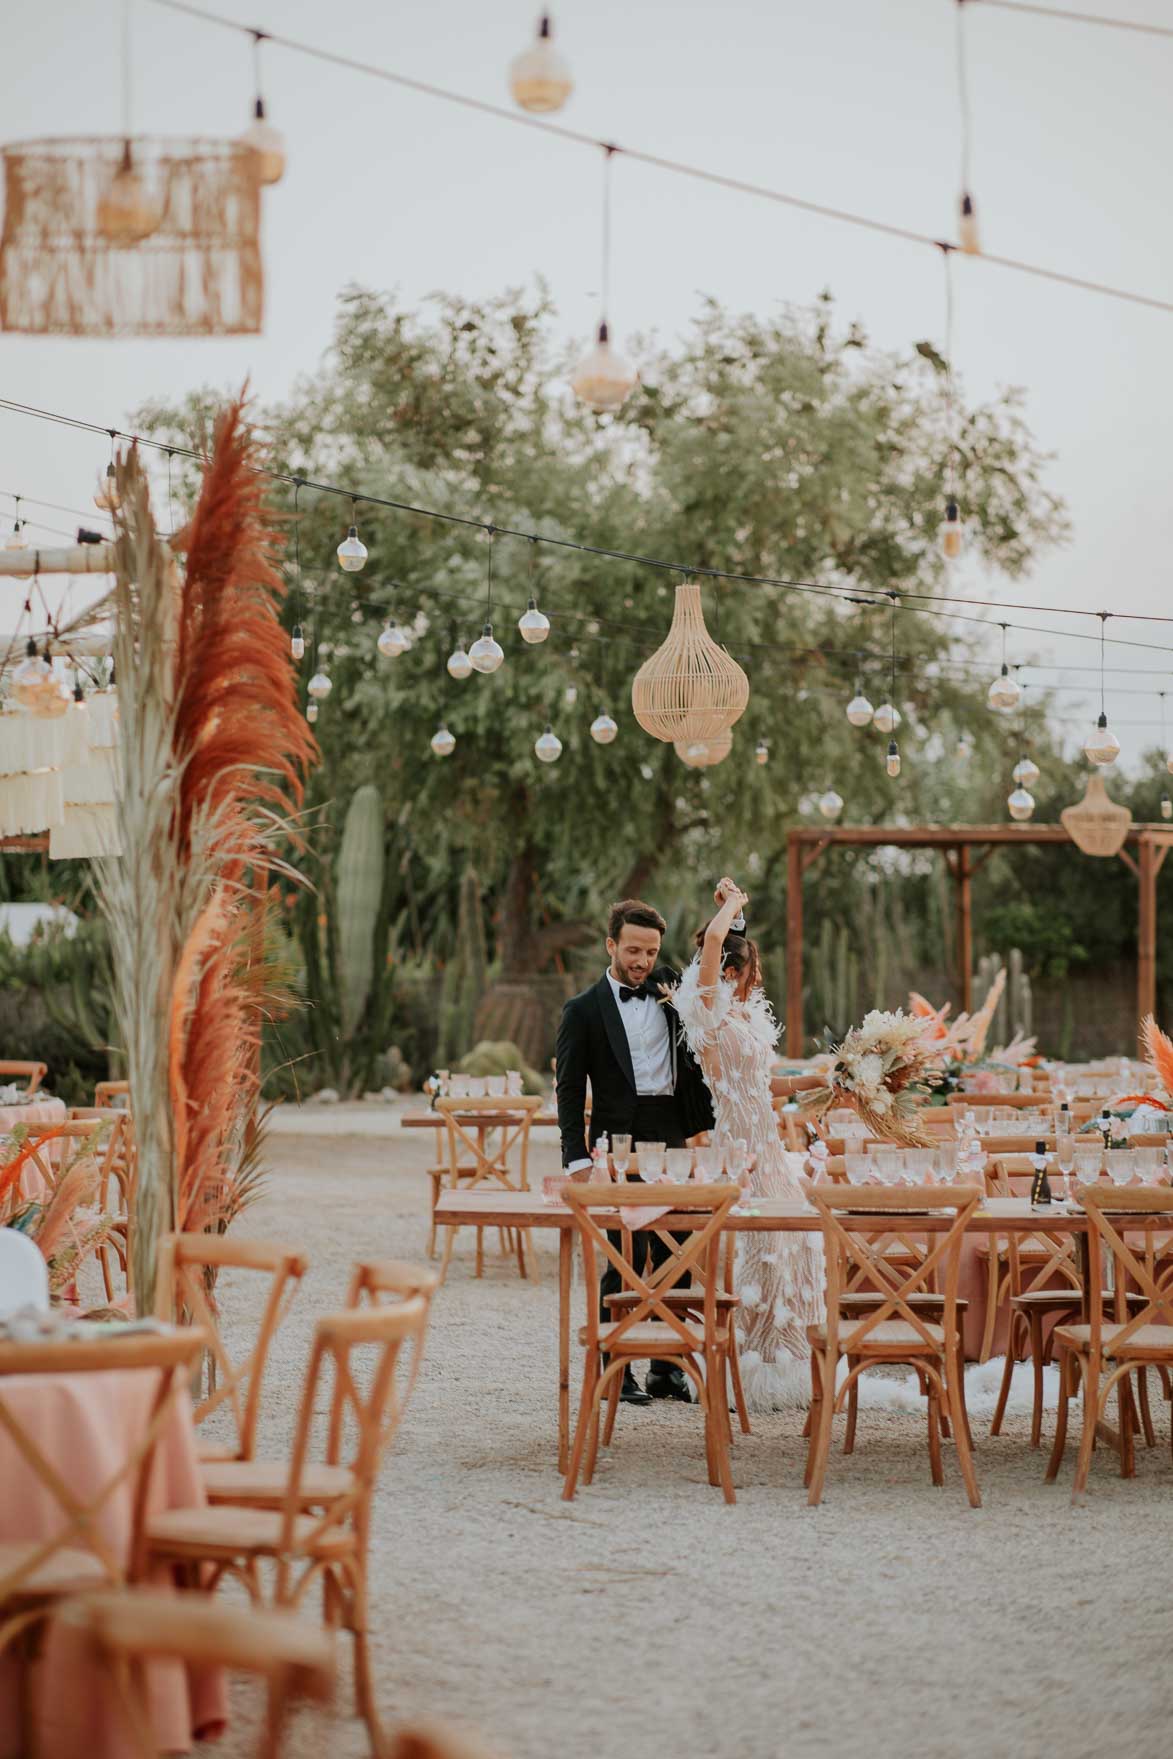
[894, 1617]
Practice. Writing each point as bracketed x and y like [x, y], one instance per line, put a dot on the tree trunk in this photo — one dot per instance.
[515, 943]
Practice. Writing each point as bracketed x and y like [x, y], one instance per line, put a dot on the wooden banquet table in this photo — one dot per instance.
[511, 1209]
[81, 1423]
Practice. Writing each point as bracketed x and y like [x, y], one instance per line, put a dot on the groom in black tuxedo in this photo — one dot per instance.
[624, 1038]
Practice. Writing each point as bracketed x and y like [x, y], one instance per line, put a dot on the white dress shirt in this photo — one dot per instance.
[646, 1026]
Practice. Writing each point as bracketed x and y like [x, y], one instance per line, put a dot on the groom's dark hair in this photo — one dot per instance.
[638, 914]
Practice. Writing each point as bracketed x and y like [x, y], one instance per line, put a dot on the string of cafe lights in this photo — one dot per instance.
[1067, 15]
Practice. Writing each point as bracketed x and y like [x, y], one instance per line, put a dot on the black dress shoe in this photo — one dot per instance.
[631, 1392]
[669, 1386]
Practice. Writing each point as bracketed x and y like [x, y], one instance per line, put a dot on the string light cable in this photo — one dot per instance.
[1068, 15]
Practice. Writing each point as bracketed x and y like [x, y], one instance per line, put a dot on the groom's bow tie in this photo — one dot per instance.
[642, 994]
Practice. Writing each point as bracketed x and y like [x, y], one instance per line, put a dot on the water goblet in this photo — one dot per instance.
[858, 1167]
[736, 1157]
[621, 1154]
[678, 1165]
[947, 1166]
[1120, 1164]
[708, 1163]
[887, 1163]
[1150, 1163]
[1065, 1160]
[650, 1156]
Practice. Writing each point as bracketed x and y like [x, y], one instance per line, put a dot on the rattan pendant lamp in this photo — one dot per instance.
[690, 690]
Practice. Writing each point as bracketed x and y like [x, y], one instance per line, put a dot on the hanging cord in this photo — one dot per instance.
[605, 285]
[1068, 15]
[170, 493]
[1164, 737]
[492, 532]
[126, 74]
[1103, 616]
[950, 388]
[894, 597]
[963, 94]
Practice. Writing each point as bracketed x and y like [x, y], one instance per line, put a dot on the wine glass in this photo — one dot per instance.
[651, 1160]
[621, 1154]
[1065, 1160]
[1087, 1164]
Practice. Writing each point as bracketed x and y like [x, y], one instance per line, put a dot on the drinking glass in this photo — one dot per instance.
[513, 1083]
[920, 1163]
[1121, 1165]
[460, 1086]
[495, 1086]
[476, 1087]
[1088, 1162]
[859, 1167]
[736, 1157]
[1065, 1160]
[1150, 1164]
[887, 1161]
[678, 1162]
[621, 1153]
[708, 1163]
[651, 1161]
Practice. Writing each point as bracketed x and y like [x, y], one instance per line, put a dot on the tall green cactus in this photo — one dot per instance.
[358, 888]
[465, 976]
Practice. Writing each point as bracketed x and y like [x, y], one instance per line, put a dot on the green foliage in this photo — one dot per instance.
[1046, 936]
[465, 975]
[56, 1004]
[359, 876]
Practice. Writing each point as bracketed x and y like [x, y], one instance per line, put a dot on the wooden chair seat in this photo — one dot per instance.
[68, 1571]
[265, 1483]
[679, 1301]
[1147, 1343]
[1029, 1251]
[862, 1301]
[651, 1338]
[225, 1531]
[215, 1450]
[889, 1336]
[1046, 1300]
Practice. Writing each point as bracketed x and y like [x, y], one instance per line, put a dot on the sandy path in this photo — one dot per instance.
[893, 1617]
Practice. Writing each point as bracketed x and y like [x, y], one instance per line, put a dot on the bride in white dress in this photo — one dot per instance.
[731, 1030]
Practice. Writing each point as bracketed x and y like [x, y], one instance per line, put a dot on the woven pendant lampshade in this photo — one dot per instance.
[702, 754]
[690, 691]
[107, 237]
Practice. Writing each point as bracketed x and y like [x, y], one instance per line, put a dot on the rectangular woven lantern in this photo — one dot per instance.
[196, 273]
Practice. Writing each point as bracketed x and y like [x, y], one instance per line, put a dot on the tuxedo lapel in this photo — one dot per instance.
[617, 1038]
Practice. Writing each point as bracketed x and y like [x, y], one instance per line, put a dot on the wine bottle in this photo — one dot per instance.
[1040, 1188]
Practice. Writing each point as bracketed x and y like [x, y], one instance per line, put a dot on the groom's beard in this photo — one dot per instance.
[630, 975]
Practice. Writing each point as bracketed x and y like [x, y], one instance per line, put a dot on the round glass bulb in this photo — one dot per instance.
[603, 379]
[352, 552]
[964, 749]
[1102, 746]
[268, 143]
[968, 227]
[1004, 693]
[16, 539]
[570, 695]
[1026, 772]
[1020, 805]
[311, 712]
[1166, 806]
[952, 532]
[486, 654]
[107, 498]
[886, 718]
[539, 79]
[892, 761]
[297, 642]
[392, 641]
[319, 686]
[830, 804]
[459, 664]
[859, 710]
[761, 752]
[549, 746]
[128, 212]
[443, 742]
[603, 729]
[533, 624]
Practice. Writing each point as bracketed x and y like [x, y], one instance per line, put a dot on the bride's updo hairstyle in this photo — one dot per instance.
[737, 953]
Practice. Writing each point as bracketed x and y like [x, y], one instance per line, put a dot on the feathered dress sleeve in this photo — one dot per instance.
[701, 1009]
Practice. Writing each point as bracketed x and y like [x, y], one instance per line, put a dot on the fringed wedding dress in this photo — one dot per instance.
[780, 1277]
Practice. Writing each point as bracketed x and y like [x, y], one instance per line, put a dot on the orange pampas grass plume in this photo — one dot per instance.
[1159, 1050]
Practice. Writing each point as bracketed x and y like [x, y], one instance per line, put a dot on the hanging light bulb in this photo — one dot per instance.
[539, 79]
[892, 761]
[79, 696]
[352, 552]
[859, 710]
[392, 641]
[549, 746]
[1166, 806]
[459, 664]
[16, 539]
[1101, 746]
[1026, 772]
[1169, 763]
[830, 804]
[128, 212]
[319, 686]
[485, 654]
[107, 498]
[952, 531]
[963, 750]
[297, 642]
[533, 624]
[886, 718]
[1020, 805]
[603, 729]
[761, 752]
[266, 141]
[603, 380]
[443, 742]
[311, 712]
[968, 228]
[1004, 693]
[36, 686]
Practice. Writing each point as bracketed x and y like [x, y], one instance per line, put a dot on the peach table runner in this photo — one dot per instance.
[81, 1421]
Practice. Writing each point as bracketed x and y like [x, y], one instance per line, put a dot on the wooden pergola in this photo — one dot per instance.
[1144, 851]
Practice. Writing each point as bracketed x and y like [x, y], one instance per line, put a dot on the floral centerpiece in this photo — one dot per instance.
[884, 1069]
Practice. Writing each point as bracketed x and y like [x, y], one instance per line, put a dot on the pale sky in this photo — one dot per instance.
[848, 102]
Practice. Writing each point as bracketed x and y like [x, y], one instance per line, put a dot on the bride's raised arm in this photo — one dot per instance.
[732, 901]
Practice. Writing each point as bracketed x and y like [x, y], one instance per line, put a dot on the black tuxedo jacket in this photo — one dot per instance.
[593, 1045]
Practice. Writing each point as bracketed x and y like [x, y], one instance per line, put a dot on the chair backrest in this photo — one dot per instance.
[24, 1275]
[1034, 1260]
[171, 1356]
[366, 1407]
[854, 1254]
[393, 1277]
[594, 1209]
[108, 1092]
[1114, 1213]
[188, 1265]
[512, 1114]
[34, 1073]
[39, 1148]
[125, 1629]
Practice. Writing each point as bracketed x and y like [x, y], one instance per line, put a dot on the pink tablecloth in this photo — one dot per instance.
[81, 1421]
[39, 1113]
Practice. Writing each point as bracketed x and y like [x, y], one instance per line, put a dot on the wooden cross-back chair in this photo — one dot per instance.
[34, 1073]
[652, 1327]
[329, 1545]
[124, 1631]
[36, 1574]
[511, 1116]
[108, 1093]
[46, 1143]
[1127, 1329]
[115, 1189]
[186, 1264]
[894, 1330]
[1039, 1279]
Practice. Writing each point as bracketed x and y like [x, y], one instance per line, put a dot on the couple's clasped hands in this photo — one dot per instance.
[730, 896]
